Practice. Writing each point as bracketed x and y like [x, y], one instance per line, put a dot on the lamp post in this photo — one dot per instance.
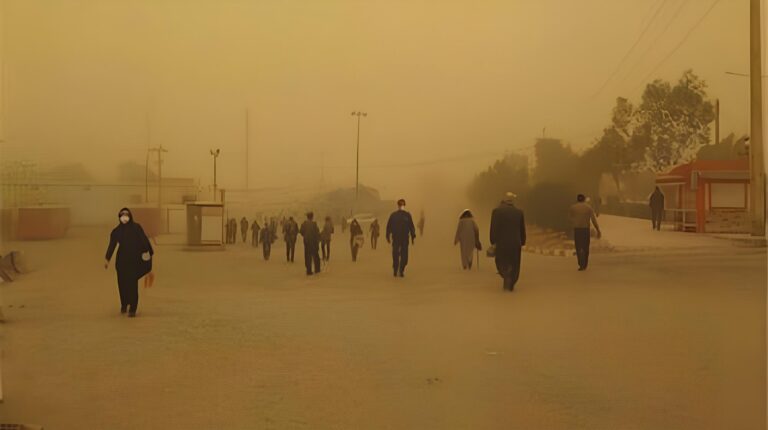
[357, 157]
[215, 155]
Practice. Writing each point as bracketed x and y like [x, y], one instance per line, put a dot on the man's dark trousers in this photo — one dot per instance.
[399, 255]
[508, 266]
[581, 240]
[312, 255]
[656, 216]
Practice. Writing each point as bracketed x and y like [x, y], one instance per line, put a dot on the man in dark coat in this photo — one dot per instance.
[255, 230]
[400, 228]
[232, 230]
[244, 228]
[134, 259]
[657, 208]
[290, 233]
[508, 236]
[266, 242]
[311, 234]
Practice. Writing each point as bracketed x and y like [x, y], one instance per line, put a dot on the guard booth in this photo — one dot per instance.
[707, 196]
[205, 223]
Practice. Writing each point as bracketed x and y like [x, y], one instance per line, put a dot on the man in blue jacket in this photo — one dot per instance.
[400, 228]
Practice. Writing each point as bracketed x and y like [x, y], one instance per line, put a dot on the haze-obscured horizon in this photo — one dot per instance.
[449, 86]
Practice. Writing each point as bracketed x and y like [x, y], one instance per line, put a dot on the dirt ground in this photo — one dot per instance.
[647, 340]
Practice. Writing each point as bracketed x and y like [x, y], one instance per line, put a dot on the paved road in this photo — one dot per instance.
[655, 340]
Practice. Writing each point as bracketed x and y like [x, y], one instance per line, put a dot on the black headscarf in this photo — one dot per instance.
[130, 215]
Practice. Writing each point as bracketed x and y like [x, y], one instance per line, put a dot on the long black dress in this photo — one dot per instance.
[129, 264]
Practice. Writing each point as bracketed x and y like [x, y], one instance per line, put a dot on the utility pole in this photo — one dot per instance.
[215, 155]
[357, 161]
[322, 171]
[757, 168]
[717, 121]
[146, 163]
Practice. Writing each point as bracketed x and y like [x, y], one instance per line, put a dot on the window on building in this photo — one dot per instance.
[728, 196]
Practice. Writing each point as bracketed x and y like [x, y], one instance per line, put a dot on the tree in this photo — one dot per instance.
[506, 174]
[675, 120]
[555, 162]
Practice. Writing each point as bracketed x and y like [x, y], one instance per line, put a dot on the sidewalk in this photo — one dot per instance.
[636, 234]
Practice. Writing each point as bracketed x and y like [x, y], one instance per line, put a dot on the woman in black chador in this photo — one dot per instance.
[134, 259]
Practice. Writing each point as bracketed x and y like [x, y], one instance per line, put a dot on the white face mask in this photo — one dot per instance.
[402, 208]
[124, 219]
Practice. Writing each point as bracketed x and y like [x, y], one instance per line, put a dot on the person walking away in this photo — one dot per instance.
[255, 230]
[421, 224]
[343, 224]
[581, 217]
[244, 228]
[325, 238]
[356, 239]
[290, 234]
[311, 234]
[508, 237]
[266, 242]
[134, 259]
[399, 229]
[656, 202]
[375, 231]
[468, 237]
[273, 227]
[233, 231]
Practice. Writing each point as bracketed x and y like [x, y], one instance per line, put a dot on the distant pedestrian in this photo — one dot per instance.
[656, 202]
[581, 217]
[244, 228]
[266, 242]
[375, 231]
[598, 205]
[343, 225]
[325, 238]
[421, 224]
[356, 239]
[400, 228]
[273, 227]
[232, 231]
[508, 237]
[255, 230]
[290, 234]
[134, 259]
[311, 234]
[468, 237]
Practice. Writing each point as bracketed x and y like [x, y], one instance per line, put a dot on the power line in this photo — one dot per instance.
[655, 40]
[682, 41]
[632, 48]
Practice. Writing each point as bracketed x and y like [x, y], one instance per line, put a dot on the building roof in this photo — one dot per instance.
[684, 170]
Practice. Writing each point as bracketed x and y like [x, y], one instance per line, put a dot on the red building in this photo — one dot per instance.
[708, 196]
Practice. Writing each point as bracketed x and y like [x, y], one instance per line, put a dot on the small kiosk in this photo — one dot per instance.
[205, 224]
[709, 196]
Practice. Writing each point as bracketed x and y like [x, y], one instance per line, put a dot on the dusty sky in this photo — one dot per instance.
[441, 80]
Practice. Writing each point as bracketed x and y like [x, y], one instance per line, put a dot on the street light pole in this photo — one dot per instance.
[757, 169]
[215, 156]
[357, 160]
